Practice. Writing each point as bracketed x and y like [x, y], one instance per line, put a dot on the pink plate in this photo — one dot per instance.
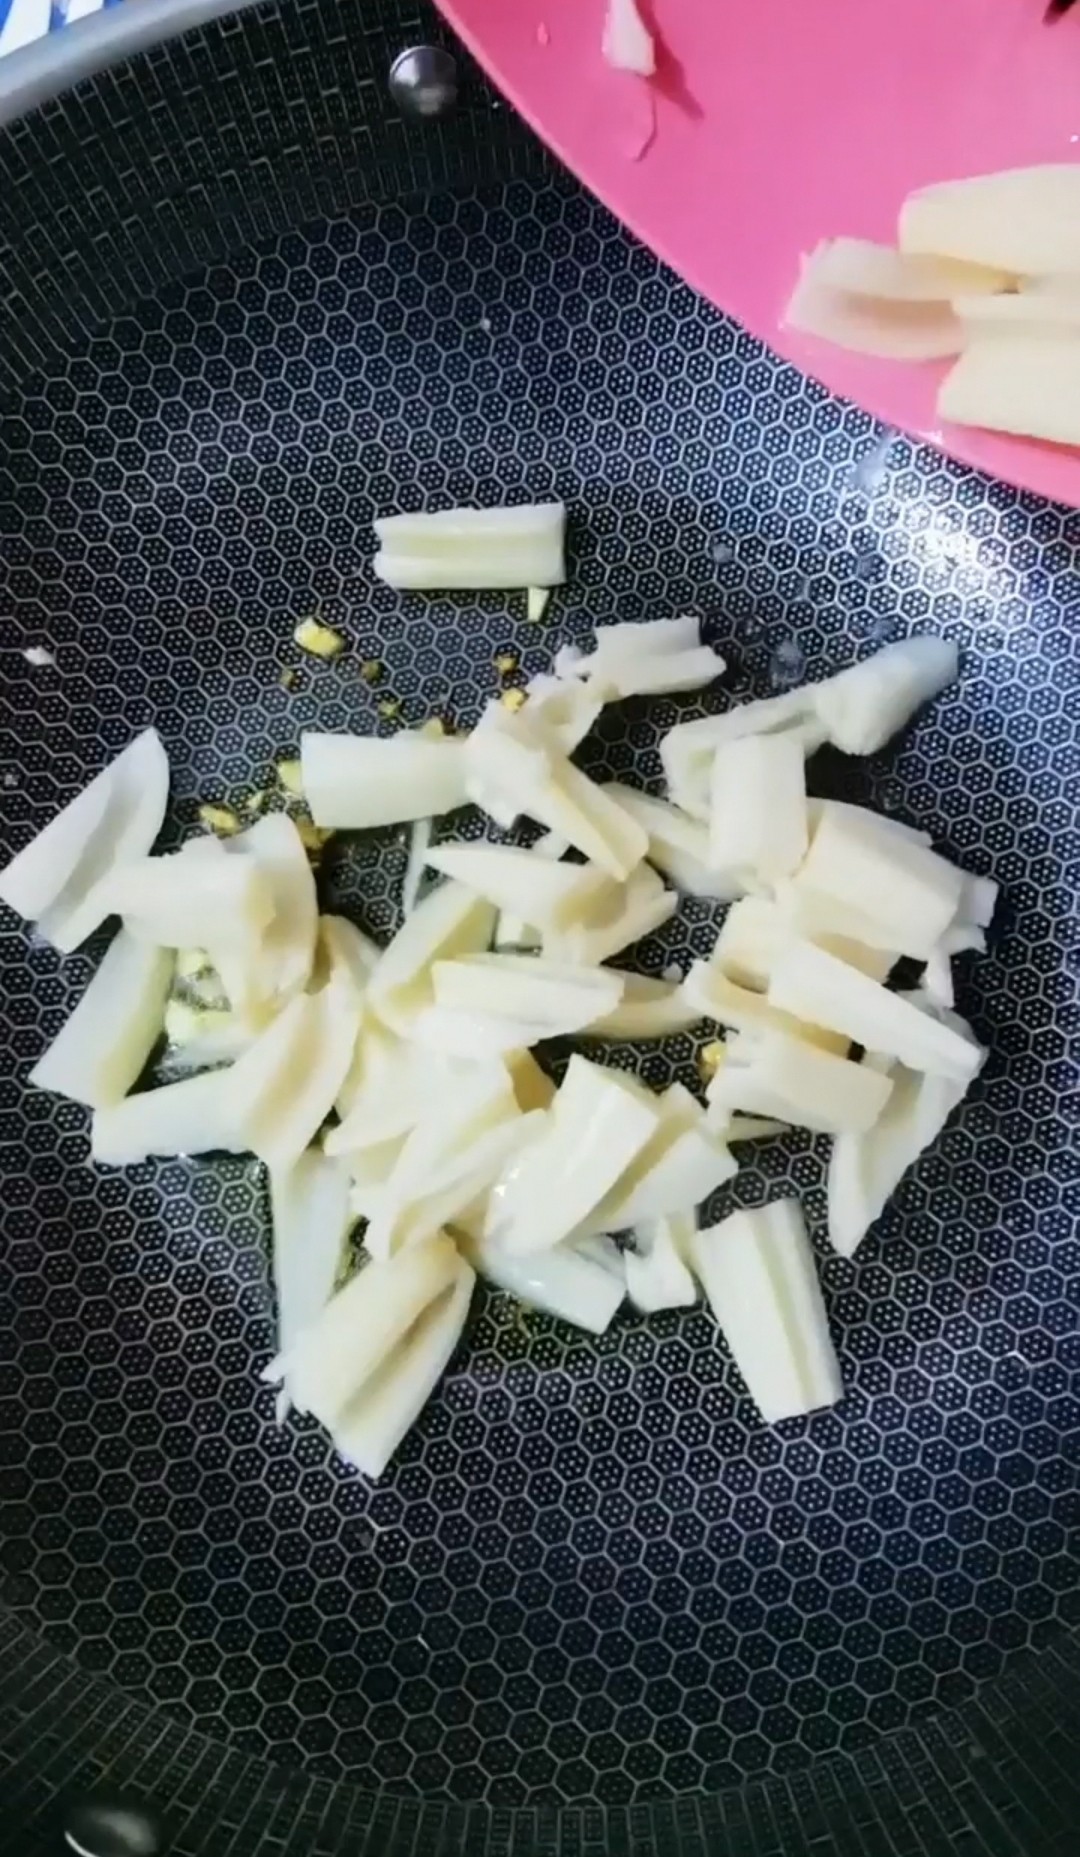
[782, 122]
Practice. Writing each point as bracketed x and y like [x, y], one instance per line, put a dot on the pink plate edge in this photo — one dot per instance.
[528, 48]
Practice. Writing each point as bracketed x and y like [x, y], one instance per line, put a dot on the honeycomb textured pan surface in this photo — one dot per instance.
[590, 1573]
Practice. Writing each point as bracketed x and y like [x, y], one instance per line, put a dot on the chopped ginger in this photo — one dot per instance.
[256, 801]
[371, 670]
[183, 1023]
[389, 707]
[318, 639]
[314, 838]
[219, 819]
[709, 1059]
[536, 599]
[432, 730]
[191, 962]
[287, 677]
[505, 663]
[290, 775]
[513, 700]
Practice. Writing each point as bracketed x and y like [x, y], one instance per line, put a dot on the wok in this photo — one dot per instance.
[594, 1606]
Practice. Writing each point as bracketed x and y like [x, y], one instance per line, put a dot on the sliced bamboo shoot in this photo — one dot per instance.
[657, 1276]
[866, 1169]
[758, 1273]
[678, 844]
[473, 548]
[450, 921]
[353, 782]
[563, 1282]
[648, 1009]
[102, 1048]
[57, 879]
[1025, 221]
[773, 1074]
[544, 893]
[758, 824]
[310, 1215]
[599, 1122]
[397, 1392]
[815, 986]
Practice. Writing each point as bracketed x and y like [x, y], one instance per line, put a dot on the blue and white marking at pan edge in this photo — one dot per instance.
[23, 21]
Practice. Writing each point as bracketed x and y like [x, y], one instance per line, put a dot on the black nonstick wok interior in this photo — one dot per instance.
[594, 1604]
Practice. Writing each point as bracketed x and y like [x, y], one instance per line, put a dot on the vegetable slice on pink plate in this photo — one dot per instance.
[774, 127]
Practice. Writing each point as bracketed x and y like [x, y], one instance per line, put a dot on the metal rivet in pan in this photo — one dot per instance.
[423, 81]
[102, 1824]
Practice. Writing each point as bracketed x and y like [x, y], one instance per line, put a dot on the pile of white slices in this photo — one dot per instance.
[401, 1085]
[988, 270]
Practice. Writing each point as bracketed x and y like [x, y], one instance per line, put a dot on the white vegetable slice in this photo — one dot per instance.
[648, 672]
[757, 929]
[865, 706]
[512, 934]
[515, 547]
[758, 1273]
[512, 771]
[558, 996]
[438, 1149]
[450, 921]
[894, 328]
[1021, 312]
[866, 1169]
[37, 875]
[679, 1167]
[541, 892]
[310, 1214]
[564, 1282]
[599, 1122]
[628, 913]
[344, 954]
[978, 900]
[657, 1276]
[628, 43]
[196, 897]
[648, 1009]
[758, 823]
[57, 879]
[687, 750]
[1017, 382]
[475, 1037]
[327, 1368]
[711, 995]
[566, 710]
[678, 844]
[282, 961]
[353, 782]
[294, 1072]
[101, 1049]
[863, 879]
[817, 987]
[869, 270]
[369, 1170]
[627, 643]
[463, 1181]
[194, 1116]
[393, 1399]
[773, 1074]
[937, 980]
[1021, 220]
[390, 1086]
